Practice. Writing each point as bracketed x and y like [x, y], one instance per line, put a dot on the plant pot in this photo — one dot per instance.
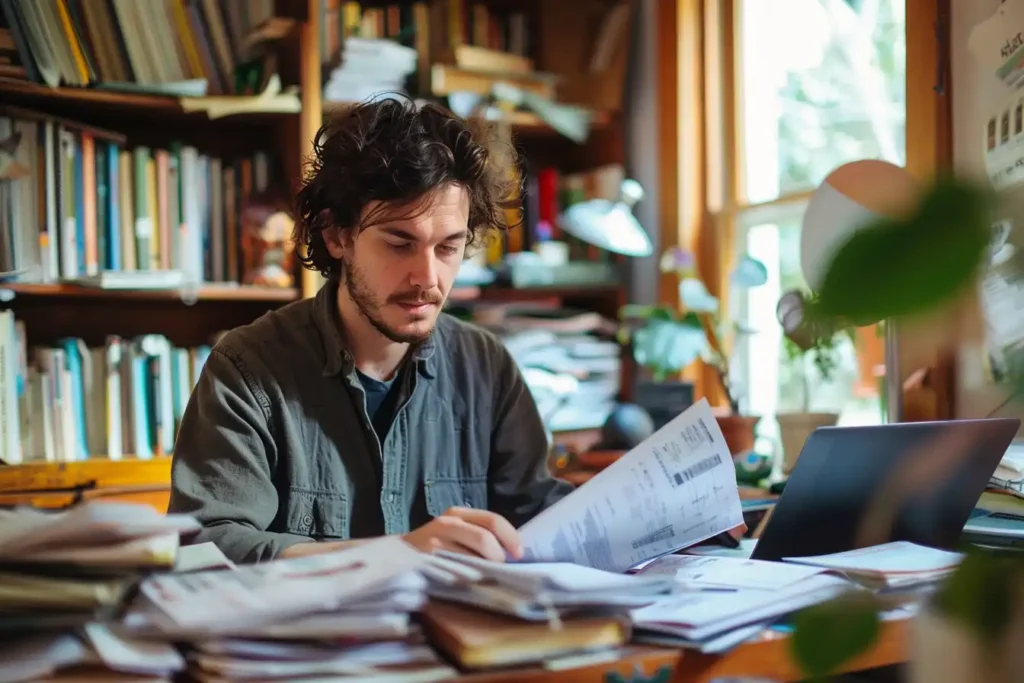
[944, 651]
[794, 428]
[738, 431]
[663, 401]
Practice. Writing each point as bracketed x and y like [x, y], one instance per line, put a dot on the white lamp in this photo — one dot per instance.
[610, 225]
[851, 197]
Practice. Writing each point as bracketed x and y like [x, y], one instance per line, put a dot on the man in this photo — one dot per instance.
[364, 411]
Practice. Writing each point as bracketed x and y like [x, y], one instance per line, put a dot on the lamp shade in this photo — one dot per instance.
[610, 225]
[851, 197]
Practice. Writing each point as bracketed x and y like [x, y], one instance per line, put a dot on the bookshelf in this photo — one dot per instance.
[53, 311]
[256, 133]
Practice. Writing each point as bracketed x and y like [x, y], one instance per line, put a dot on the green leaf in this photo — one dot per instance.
[982, 593]
[668, 346]
[828, 635]
[904, 267]
[645, 312]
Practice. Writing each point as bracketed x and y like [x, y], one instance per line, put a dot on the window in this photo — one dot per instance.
[817, 83]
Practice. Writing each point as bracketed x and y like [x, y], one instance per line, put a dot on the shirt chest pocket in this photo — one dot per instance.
[318, 513]
[467, 492]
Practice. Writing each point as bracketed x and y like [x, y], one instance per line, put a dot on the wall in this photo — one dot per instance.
[973, 90]
[640, 116]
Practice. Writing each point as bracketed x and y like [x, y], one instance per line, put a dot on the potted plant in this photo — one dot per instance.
[665, 340]
[810, 366]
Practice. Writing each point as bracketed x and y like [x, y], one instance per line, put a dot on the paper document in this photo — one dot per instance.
[675, 489]
[888, 558]
[729, 572]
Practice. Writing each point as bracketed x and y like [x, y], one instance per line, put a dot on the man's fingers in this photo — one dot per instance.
[476, 539]
[499, 527]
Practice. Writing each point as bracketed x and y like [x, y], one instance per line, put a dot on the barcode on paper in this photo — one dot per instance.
[704, 428]
[662, 534]
[705, 465]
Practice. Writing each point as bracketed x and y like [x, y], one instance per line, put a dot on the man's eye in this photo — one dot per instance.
[448, 249]
[400, 246]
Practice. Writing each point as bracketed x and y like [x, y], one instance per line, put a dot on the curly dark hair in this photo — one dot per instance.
[393, 151]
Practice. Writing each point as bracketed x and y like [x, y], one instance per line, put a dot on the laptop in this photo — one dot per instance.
[840, 469]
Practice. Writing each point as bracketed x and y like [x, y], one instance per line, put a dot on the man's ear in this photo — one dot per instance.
[334, 241]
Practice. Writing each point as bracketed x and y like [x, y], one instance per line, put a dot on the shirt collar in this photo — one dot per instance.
[336, 354]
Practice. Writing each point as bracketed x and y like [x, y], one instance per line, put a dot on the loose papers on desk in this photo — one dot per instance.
[692, 571]
[703, 618]
[899, 564]
[675, 489]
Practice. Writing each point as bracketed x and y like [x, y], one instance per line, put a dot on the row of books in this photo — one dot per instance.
[184, 47]
[79, 201]
[547, 192]
[433, 27]
[68, 402]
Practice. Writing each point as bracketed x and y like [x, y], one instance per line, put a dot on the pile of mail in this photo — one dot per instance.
[896, 566]
[723, 601]
[63, 574]
[340, 614]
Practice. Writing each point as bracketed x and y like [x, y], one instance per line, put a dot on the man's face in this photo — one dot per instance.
[399, 270]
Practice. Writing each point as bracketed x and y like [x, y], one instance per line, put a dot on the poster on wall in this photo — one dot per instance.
[1002, 301]
[1004, 143]
[997, 44]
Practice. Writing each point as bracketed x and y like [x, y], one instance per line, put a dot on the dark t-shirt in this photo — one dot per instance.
[380, 402]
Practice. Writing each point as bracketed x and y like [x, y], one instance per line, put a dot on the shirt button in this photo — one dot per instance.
[390, 497]
[307, 520]
[467, 504]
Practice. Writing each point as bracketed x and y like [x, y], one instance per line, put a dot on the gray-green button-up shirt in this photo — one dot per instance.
[276, 448]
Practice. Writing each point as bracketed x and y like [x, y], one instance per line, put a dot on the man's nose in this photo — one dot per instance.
[424, 272]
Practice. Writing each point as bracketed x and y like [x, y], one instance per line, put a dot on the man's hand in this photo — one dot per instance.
[468, 531]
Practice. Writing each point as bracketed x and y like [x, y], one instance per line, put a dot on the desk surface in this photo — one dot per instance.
[766, 657]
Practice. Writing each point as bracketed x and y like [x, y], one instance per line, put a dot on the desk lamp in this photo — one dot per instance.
[851, 197]
[610, 225]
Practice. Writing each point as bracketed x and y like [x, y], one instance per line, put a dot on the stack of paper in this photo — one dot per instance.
[340, 614]
[60, 569]
[369, 67]
[1009, 475]
[896, 565]
[541, 591]
[713, 618]
[64, 573]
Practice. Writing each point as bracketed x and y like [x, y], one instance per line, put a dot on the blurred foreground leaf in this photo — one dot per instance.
[909, 266]
[828, 635]
[983, 593]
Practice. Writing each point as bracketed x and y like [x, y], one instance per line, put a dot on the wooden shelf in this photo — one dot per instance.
[57, 485]
[95, 473]
[52, 312]
[208, 293]
[88, 103]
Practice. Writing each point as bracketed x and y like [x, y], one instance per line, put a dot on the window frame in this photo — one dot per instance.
[701, 191]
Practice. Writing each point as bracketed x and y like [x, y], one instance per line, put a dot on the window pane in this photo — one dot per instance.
[822, 82]
[774, 382]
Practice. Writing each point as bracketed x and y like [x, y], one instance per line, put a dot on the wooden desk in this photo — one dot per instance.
[767, 657]
[55, 485]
